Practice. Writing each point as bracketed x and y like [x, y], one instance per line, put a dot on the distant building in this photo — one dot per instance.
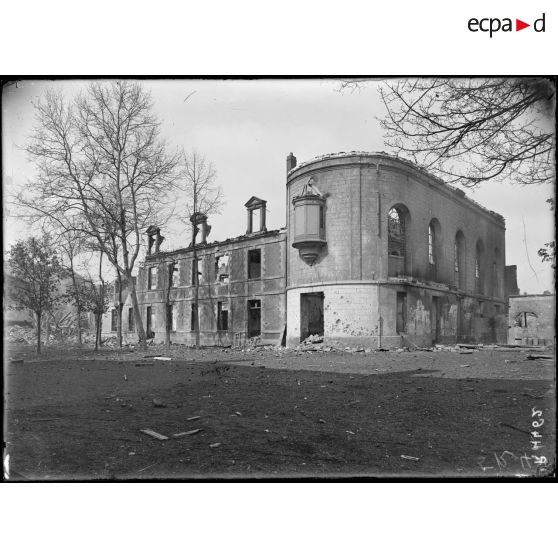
[376, 252]
[532, 319]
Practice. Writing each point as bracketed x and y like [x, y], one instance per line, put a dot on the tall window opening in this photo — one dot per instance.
[479, 267]
[222, 268]
[113, 319]
[434, 238]
[173, 274]
[459, 260]
[131, 320]
[152, 278]
[397, 220]
[222, 316]
[254, 264]
[431, 244]
[197, 271]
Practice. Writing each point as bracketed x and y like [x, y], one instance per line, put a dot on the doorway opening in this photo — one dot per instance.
[254, 318]
[311, 315]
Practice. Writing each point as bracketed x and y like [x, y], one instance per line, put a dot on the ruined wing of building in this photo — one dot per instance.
[376, 252]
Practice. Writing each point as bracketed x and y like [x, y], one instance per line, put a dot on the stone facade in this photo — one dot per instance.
[385, 255]
[415, 295]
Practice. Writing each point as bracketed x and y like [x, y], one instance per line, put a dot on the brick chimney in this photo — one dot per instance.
[291, 162]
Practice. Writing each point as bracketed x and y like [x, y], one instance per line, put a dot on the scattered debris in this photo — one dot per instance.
[162, 358]
[189, 433]
[238, 413]
[538, 357]
[349, 432]
[322, 421]
[17, 361]
[410, 457]
[154, 434]
[215, 445]
[194, 418]
[464, 366]
[125, 377]
[158, 403]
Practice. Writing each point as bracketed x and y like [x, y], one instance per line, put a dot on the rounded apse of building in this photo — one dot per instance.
[386, 223]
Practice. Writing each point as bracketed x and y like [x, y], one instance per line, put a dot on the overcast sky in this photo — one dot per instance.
[247, 128]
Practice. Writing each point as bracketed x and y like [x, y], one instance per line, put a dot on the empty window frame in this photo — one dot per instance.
[459, 259]
[151, 278]
[254, 264]
[131, 320]
[524, 319]
[396, 233]
[222, 268]
[197, 271]
[222, 316]
[173, 274]
[431, 244]
[114, 319]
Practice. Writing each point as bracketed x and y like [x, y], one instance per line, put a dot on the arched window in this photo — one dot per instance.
[459, 260]
[396, 233]
[433, 248]
[431, 244]
[479, 267]
[398, 220]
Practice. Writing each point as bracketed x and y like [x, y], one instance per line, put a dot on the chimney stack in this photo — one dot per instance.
[291, 162]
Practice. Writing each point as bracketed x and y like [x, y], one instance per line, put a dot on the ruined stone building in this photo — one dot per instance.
[376, 252]
[532, 319]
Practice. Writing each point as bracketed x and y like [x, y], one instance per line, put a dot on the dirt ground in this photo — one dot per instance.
[272, 412]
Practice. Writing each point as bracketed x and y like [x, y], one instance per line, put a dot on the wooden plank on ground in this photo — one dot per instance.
[189, 433]
[154, 434]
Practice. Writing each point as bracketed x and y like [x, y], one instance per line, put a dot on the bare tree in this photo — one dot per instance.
[71, 245]
[470, 131]
[36, 272]
[202, 199]
[474, 130]
[100, 162]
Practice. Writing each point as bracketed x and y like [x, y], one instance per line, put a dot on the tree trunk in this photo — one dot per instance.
[196, 286]
[98, 322]
[142, 341]
[38, 332]
[78, 301]
[119, 312]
